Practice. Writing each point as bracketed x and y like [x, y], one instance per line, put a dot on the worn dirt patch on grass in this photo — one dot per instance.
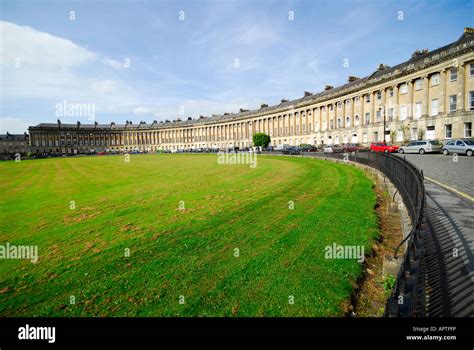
[370, 297]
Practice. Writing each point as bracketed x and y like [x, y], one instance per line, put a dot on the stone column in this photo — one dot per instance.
[326, 116]
[352, 114]
[443, 103]
[396, 106]
[308, 116]
[343, 121]
[288, 123]
[426, 96]
[460, 105]
[295, 118]
[372, 107]
[410, 100]
[302, 119]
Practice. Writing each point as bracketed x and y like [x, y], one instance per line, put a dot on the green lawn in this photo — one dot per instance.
[175, 252]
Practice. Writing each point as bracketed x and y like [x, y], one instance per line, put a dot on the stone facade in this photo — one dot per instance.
[10, 144]
[430, 96]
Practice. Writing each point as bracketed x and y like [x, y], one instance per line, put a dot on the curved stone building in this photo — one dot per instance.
[430, 96]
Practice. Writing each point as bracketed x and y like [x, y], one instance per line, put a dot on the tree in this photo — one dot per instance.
[393, 135]
[406, 129]
[421, 134]
[261, 139]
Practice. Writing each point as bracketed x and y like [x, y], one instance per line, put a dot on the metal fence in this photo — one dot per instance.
[408, 297]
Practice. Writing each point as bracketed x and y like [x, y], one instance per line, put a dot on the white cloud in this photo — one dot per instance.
[54, 69]
[32, 47]
[257, 33]
[142, 110]
[105, 86]
[113, 63]
[14, 125]
[205, 107]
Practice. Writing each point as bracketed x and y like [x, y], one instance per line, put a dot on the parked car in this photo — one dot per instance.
[422, 147]
[291, 151]
[281, 147]
[332, 149]
[39, 156]
[307, 148]
[383, 147]
[460, 146]
[354, 147]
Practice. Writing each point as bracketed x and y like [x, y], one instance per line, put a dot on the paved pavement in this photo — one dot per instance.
[449, 249]
[454, 172]
[449, 253]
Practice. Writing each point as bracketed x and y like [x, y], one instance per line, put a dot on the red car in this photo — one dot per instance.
[383, 147]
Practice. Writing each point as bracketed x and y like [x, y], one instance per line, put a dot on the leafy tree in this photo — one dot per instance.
[261, 139]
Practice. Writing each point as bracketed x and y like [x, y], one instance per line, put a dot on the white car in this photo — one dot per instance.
[327, 149]
[461, 146]
[281, 147]
[332, 149]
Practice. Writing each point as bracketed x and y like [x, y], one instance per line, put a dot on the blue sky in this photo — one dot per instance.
[190, 65]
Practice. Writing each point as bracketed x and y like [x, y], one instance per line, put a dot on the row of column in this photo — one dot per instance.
[365, 109]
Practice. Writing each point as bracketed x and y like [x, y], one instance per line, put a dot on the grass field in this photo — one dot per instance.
[177, 253]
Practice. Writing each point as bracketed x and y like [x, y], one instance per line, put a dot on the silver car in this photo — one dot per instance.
[462, 146]
[422, 147]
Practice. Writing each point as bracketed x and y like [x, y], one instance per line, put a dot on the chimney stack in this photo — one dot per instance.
[328, 87]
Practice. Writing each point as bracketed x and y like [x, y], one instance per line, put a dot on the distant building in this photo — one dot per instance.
[429, 96]
[10, 144]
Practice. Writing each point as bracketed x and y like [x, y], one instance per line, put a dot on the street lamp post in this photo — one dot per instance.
[382, 110]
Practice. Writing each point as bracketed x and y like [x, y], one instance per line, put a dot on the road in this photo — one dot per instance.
[449, 253]
[456, 172]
